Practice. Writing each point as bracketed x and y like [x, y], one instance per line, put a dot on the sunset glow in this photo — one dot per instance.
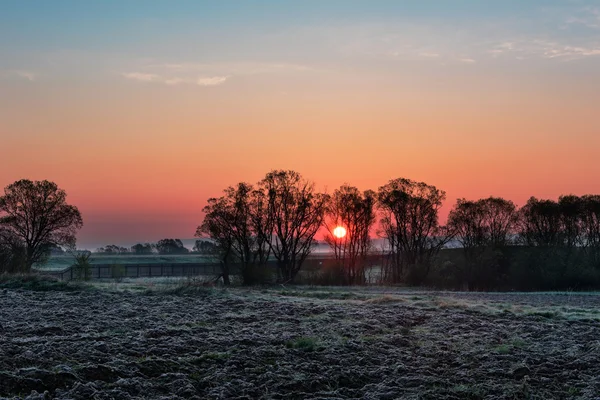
[142, 111]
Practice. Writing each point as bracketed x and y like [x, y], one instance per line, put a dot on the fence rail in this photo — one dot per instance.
[151, 270]
[110, 271]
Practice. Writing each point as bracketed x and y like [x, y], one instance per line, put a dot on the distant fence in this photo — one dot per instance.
[109, 271]
[154, 270]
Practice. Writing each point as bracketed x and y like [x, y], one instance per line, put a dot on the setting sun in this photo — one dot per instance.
[339, 232]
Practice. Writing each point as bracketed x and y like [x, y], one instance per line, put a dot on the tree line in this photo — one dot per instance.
[545, 244]
[162, 247]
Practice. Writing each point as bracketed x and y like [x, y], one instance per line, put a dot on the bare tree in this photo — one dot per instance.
[36, 216]
[296, 212]
[239, 223]
[540, 223]
[410, 226]
[590, 226]
[482, 225]
[353, 211]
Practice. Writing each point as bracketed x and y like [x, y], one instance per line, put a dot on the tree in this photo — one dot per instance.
[482, 226]
[36, 216]
[590, 226]
[354, 211]
[239, 224]
[12, 257]
[146, 248]
[112, 249]
[171, 246]
[410, 226]
[296, 211]
[485, 222]
[571, 209]
[590, 220]
[540, 223]
[205, 247]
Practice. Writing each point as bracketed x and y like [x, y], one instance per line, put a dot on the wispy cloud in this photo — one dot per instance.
[230, 68]
[213, 81]
[467, 60]
[549, 49]
[19, 74]
[30, 76]
[174, 80]
[587, 16]
[140, 76]
[206, 74]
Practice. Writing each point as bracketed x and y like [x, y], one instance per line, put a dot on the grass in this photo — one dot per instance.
[39, 283]
[503, 349]
[303, 343]
[65, 261]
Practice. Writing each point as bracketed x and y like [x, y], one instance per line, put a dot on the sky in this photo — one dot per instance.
[141, 110]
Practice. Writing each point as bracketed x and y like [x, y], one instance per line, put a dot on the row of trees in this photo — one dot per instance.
[163, 246]
[279, 216]
[559, 237]
[557, 242]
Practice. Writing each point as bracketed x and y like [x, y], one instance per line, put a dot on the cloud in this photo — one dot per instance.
[467, 60]
[228, 68]
[588, 17]
[30, 76]
[140, 76]
[174, 80]
[206, 74]
[429, 55]
[213, 81]
[19, 74]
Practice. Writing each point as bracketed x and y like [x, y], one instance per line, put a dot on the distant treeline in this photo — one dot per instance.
[163, 247]
[546, 244]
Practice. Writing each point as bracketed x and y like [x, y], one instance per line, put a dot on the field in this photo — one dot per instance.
[141, 339]
[65, 261]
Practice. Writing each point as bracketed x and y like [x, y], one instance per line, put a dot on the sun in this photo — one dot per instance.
[339, 232]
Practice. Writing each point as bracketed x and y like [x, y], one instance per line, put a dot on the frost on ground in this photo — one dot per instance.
[298, 344]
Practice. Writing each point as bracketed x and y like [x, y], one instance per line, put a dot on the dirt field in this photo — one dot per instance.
[298, 344]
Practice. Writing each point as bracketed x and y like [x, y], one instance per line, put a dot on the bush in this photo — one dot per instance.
[257, 275]
[118, 272]
[82, 267]
[39, 283]
[12, 259]
[330, 275]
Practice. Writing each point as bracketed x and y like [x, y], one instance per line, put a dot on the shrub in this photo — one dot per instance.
[35, 282]
[303, 343]
[82, 267]
[118, 272]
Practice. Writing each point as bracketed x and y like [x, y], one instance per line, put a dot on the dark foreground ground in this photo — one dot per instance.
[298, 344]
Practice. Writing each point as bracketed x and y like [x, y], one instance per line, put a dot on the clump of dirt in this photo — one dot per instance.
[245, 344]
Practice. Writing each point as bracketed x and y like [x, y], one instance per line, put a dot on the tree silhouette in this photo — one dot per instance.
[171, 246]
[355, 212]
[483, 226]
[140, 248]
[36, 216]
[540, 223]
[296, 212]
[238, 223]
[410, 226]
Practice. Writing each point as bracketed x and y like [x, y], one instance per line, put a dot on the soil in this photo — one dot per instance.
[277, 344]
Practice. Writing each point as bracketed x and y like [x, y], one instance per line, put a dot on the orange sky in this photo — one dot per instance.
[140, 152]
